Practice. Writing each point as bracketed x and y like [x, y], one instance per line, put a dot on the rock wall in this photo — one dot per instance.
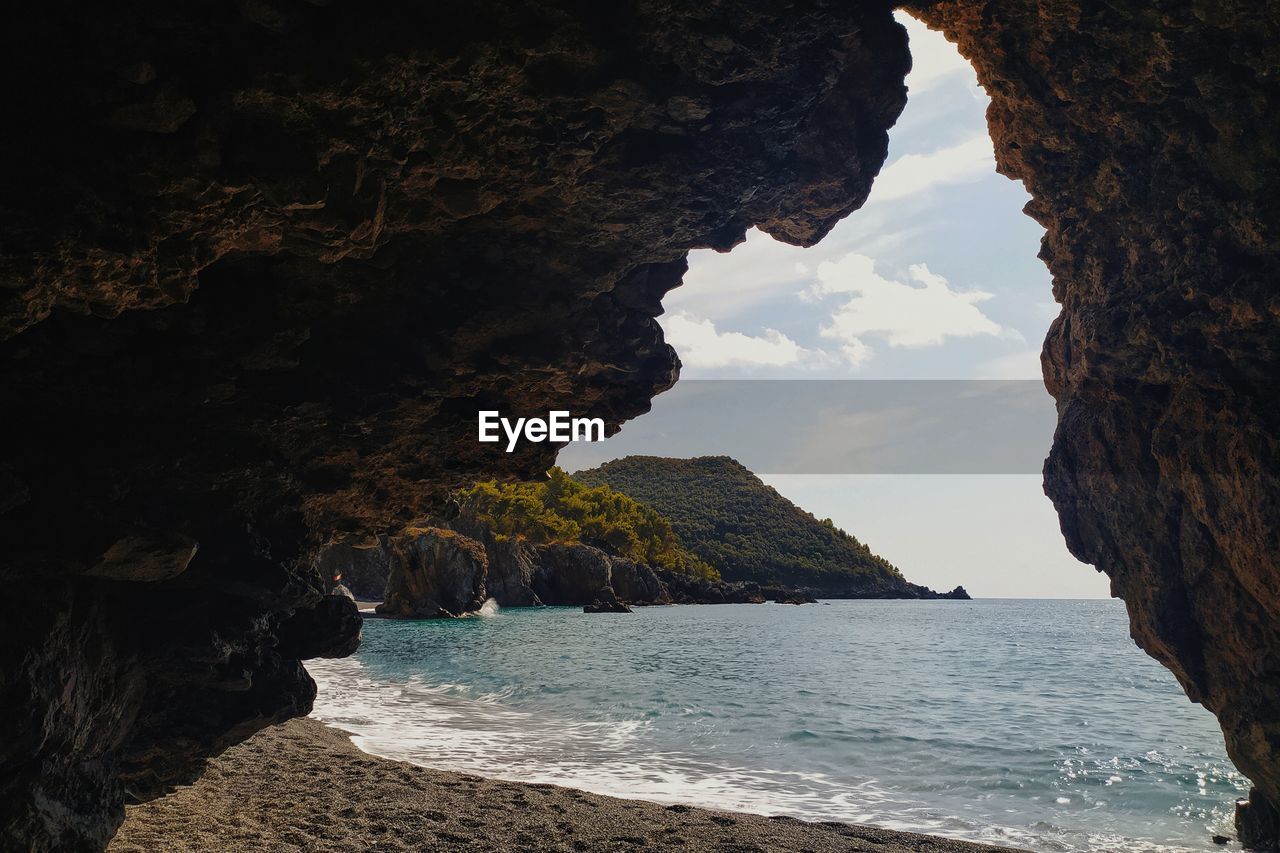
[260, 265]
[447, 568]
[1147, 134]
[434, 573]
[636, 583]
[360, 563]
[571, 574]
[512, 564]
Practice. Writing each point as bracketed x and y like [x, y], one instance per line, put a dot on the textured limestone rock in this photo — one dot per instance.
[511, 572]
[581, 575]
[636, 583]
[434, 573]
[512, 563]
[572, 574]
[261, 263]
[1147, 135]
[1258, 823]
[569, 574]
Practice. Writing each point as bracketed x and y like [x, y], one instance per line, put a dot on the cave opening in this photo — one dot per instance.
[935, 280]
[496, 196]
[936, 277]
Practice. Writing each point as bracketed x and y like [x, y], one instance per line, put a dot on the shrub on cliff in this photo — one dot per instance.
[725, 515]
[564, 510]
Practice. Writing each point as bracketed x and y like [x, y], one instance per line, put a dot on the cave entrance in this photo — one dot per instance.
[935, 286]
[1025, 717]
[935, 278]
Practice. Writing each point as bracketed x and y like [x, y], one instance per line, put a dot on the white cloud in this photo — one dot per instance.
[856, 353]
[922, 313]
[756, 271]
[933, 58]
[701, 345]
[910, 174]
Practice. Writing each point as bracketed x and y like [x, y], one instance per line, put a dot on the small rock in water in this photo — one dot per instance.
[1222, 839]
[599, 606]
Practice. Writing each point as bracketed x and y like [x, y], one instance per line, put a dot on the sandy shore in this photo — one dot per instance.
[305, 786]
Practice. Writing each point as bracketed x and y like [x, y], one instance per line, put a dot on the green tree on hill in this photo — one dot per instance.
[564, 510]
[725, 515]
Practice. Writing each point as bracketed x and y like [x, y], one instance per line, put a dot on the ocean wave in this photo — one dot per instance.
[645, 710]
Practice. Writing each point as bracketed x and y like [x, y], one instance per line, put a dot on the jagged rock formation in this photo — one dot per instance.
[261, 265]
[1147, 136]
[447, 568]
[512, 564]
[571, 574]
[612, 605]
[434, 573]
[511, 571]
[636, 583]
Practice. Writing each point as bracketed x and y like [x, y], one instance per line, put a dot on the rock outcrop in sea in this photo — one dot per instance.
[434, 573]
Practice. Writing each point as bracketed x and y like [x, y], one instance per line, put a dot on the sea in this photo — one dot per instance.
[1027, 723]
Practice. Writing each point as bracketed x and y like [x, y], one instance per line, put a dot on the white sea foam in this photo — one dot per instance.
[549, 703]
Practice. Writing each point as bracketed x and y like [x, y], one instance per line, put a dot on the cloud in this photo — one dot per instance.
[756, 271]
[701, 345]
[910, 174]
[933, 58]
[856, 353]
[922, 313]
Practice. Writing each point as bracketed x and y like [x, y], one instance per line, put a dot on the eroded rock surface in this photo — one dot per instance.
[261, 264]
[512, 564]
[572, 574]
[1148, 135]
[434, 573]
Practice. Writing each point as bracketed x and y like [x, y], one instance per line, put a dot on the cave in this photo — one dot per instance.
[263, 263]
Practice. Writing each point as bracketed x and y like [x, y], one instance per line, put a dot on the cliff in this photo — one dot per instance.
[749, 532]
[1147, 137]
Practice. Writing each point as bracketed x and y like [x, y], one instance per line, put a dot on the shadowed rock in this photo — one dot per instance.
[571, 574]
[1147, 138]
[361, 563]
[434, 573]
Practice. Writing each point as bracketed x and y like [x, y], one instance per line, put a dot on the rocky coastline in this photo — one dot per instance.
[449, 568]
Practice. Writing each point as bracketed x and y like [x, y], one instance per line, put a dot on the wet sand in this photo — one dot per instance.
[305, 786]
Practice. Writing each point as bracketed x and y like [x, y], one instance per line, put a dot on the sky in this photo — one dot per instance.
[936, 277]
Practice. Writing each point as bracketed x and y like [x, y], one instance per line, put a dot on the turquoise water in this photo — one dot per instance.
[1028, 723]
